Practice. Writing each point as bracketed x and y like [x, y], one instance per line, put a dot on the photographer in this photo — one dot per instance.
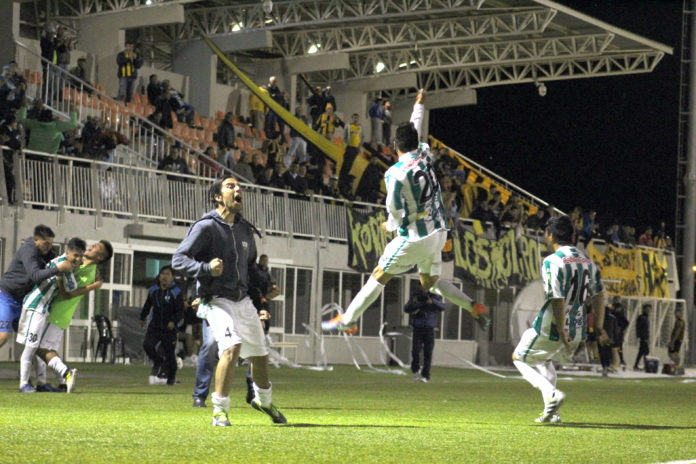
[129, 61]
[423, 309]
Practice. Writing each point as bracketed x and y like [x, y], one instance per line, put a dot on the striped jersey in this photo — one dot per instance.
[43, 293]
[62, 310]
[414, 201]
[569, 275]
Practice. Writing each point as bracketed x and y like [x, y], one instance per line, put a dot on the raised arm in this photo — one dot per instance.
[418, 112]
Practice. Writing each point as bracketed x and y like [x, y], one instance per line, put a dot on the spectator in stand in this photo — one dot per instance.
[329, 98]
[511, 215]
[257, 166]
[12, 95]
[301, 183]
[387, 124]
[257, 112]
[588, 226]
[612, 235]
[11, 137]
[244, 169]
[332, 190]
[643, 334]
[316, 106]
[278, 177]
[11, 75]
[376, 114]
[646, 238]
[46, 132]
[154, 89]
[496, 204]
[660, 238]
[369, 184]
[128, 62]
[212, 162]
[264, 178]
[272, 119]
[298, 144]
[576, 218]
[536, 221]
[64, 43]
[327, 122]
[484, 213]
[185, 112]
[353, 134]
[80, 71]
[450, 198]
[226, 139]
[48, 53]
[174, 163]
[628, 235]
[290, 176]
[163, 106]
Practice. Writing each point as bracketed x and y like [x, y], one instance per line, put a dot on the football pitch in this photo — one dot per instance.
[349, 416]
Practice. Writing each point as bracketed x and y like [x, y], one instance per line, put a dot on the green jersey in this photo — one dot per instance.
[43, 293]
[62, 310]
[571, 276]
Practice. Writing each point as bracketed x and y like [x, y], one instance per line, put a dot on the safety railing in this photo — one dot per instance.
[62, 92]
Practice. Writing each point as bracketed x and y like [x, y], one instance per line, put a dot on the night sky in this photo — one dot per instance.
[607, 143]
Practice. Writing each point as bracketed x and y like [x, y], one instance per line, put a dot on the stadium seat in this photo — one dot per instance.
[106, 339]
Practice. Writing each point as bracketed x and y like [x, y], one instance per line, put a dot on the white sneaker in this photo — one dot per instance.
[553, 404]
[70, 380]
[555, 419]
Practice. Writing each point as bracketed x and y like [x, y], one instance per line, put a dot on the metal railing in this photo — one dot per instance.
[148, 143]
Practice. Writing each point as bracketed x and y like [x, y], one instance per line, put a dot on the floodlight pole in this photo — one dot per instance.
[689, 236]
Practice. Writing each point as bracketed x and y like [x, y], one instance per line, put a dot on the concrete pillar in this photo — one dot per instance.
[9, 30]
[104, 36]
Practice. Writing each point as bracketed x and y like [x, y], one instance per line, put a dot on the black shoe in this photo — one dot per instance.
[250, 395]
[62, 387]
[199, 402]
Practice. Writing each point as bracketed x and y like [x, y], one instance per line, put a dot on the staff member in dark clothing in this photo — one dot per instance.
[27, 268]
[643, 334]
[423, 308]
[219, 250]
[166, 301]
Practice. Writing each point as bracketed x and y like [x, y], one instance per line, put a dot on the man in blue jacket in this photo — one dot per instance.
[423, 308]
[220, 252]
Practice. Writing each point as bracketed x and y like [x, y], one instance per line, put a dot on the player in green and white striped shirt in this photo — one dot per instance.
[570, 278]
[33, 326]
[416, 212]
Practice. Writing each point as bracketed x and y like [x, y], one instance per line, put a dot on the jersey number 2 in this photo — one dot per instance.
[430, 183]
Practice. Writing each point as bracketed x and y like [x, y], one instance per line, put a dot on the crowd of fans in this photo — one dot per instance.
[283, 160]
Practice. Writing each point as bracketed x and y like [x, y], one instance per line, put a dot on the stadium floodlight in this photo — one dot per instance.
[237, 27]
[314, 48]
[403, 65]
[148, 2]
[379, 67]
[541, 88]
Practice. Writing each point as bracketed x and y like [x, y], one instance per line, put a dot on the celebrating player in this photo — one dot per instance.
[416, 211]
[35, 332]
[570, 278]
[219, 250]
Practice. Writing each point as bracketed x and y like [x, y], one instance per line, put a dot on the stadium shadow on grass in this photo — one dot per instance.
[589, 425]
[352, 426]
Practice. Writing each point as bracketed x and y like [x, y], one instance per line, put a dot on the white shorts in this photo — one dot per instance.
[36, 332]
[234, 323]
[534, 348]
[401, 254]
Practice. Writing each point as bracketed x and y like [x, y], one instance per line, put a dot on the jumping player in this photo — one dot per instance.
[416, 211]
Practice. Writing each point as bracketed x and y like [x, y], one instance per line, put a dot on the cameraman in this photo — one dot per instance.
[423, 308]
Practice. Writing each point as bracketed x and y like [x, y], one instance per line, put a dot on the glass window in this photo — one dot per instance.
[330, 287]
[393, 303]
[122, 268]
[302, 299]
[277, 307]
[352, 282]
[289, 299]
[371, 320]
[101, 302]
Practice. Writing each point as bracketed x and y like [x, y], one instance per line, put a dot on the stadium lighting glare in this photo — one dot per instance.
[693, 268]
[403, 65]
[379, 67]
[541, 88]
[314, 48]
[237, 27]
[268, 21]
[148, 2]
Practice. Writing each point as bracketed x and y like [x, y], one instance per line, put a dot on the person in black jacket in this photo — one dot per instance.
[166, 301]
[128, 61]
[423, 309]
[643, 334]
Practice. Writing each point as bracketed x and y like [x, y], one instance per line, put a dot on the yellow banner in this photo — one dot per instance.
[619, 269]
[653, 273]
[333, 151]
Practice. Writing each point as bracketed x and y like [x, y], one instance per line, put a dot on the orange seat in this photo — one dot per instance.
[136, 98]
[197, 120]
[38, 78]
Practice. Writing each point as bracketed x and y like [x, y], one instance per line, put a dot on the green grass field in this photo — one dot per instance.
[348, 416]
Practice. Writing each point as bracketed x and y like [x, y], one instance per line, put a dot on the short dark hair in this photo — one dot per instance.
[45, 115]
[43, 232]
[406, 137]
[109, 249]
[77, 244]
[215, 189]
[561, 227]
[165, 268]
[263, 256]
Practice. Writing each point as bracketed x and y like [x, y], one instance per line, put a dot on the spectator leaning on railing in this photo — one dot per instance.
[46, 132]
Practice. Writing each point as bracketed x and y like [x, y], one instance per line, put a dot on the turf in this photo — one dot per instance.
[348, 416]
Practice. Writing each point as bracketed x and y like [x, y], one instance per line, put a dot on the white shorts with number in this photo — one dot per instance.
[401, 254]
[535, 348]
[235, 322]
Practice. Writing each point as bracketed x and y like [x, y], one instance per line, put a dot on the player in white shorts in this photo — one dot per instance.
[570, 278]
[416, 212]
[35, 333]
[220, 252]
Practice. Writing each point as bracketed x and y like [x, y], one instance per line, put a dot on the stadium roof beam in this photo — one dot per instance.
[307, 13]
[428, 32]
[70, 9]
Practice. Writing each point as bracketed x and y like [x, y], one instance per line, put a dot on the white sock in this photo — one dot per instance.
[534, 377]
[365, 297]
[220, 403]
[57, 365]
[264, 394]
[548, 370]
[25, 365]
[40, 365]
[451, 293]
